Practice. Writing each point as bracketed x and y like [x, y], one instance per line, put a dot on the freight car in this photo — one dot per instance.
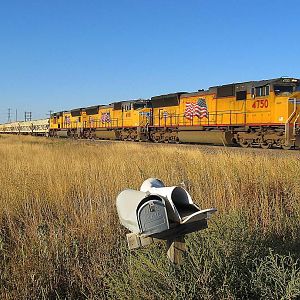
[255, 113]
[37, 127]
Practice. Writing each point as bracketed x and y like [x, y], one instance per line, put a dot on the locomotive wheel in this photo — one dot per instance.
[86, 134]
[286, 147]
[133, 136]
[156, 137]
[128, 137]
[92, 135]
[125, 135]
[266, 145]
[173, 138]
[244, 143]
[166, 139]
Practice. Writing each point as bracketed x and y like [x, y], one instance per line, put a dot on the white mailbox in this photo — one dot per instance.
[159, 212]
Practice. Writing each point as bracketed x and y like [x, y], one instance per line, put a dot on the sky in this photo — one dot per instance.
[62, 54]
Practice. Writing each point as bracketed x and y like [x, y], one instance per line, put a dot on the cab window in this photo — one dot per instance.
[261, 91]
[241, 95]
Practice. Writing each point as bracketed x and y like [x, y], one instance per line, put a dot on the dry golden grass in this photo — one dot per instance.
[59, 232]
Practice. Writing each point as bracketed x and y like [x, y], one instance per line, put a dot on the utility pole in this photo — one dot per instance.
[16, 115]
[9, 116]
[50, 113]
[28, 116]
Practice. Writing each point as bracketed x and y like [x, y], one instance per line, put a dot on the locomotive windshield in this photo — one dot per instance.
[280, 89]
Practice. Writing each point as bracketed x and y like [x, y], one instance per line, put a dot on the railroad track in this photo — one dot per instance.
[207, 148]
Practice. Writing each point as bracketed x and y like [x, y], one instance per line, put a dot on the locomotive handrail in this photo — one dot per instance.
[295, 124]
[171, 119]
[287, 124]
[180, 119]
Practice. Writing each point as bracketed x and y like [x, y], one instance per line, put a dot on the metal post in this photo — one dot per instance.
[9, 115]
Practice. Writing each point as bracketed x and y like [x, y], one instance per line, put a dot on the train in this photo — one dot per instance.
[36, 127]
[261, 113]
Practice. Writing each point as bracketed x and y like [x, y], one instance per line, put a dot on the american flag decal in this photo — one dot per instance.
[198, 109]
[105, 118]
[68, 120]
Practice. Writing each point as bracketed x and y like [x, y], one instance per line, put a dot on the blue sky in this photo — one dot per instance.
[59, 54]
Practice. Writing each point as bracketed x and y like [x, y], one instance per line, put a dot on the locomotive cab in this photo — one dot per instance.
[130, 118]
[287, 108]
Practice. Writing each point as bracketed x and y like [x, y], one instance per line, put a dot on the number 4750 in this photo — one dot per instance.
[264, 103]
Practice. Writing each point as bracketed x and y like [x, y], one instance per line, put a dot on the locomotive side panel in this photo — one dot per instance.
[192, 114]
[127, 113]
[203, 119]
[166, 116]
[166, 110]
[76, 119]
[132, 118]
[105, 121]
[92, 117]
[107, 117]
[68, 121]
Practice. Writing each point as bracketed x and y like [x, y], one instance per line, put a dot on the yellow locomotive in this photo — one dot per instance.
[255, 113]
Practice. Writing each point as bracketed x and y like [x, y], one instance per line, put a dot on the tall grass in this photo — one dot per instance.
[60, 237]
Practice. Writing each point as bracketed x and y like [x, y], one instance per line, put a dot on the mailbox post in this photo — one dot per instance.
[157, 212]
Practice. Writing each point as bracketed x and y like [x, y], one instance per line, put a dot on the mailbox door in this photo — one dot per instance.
[152, 217]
